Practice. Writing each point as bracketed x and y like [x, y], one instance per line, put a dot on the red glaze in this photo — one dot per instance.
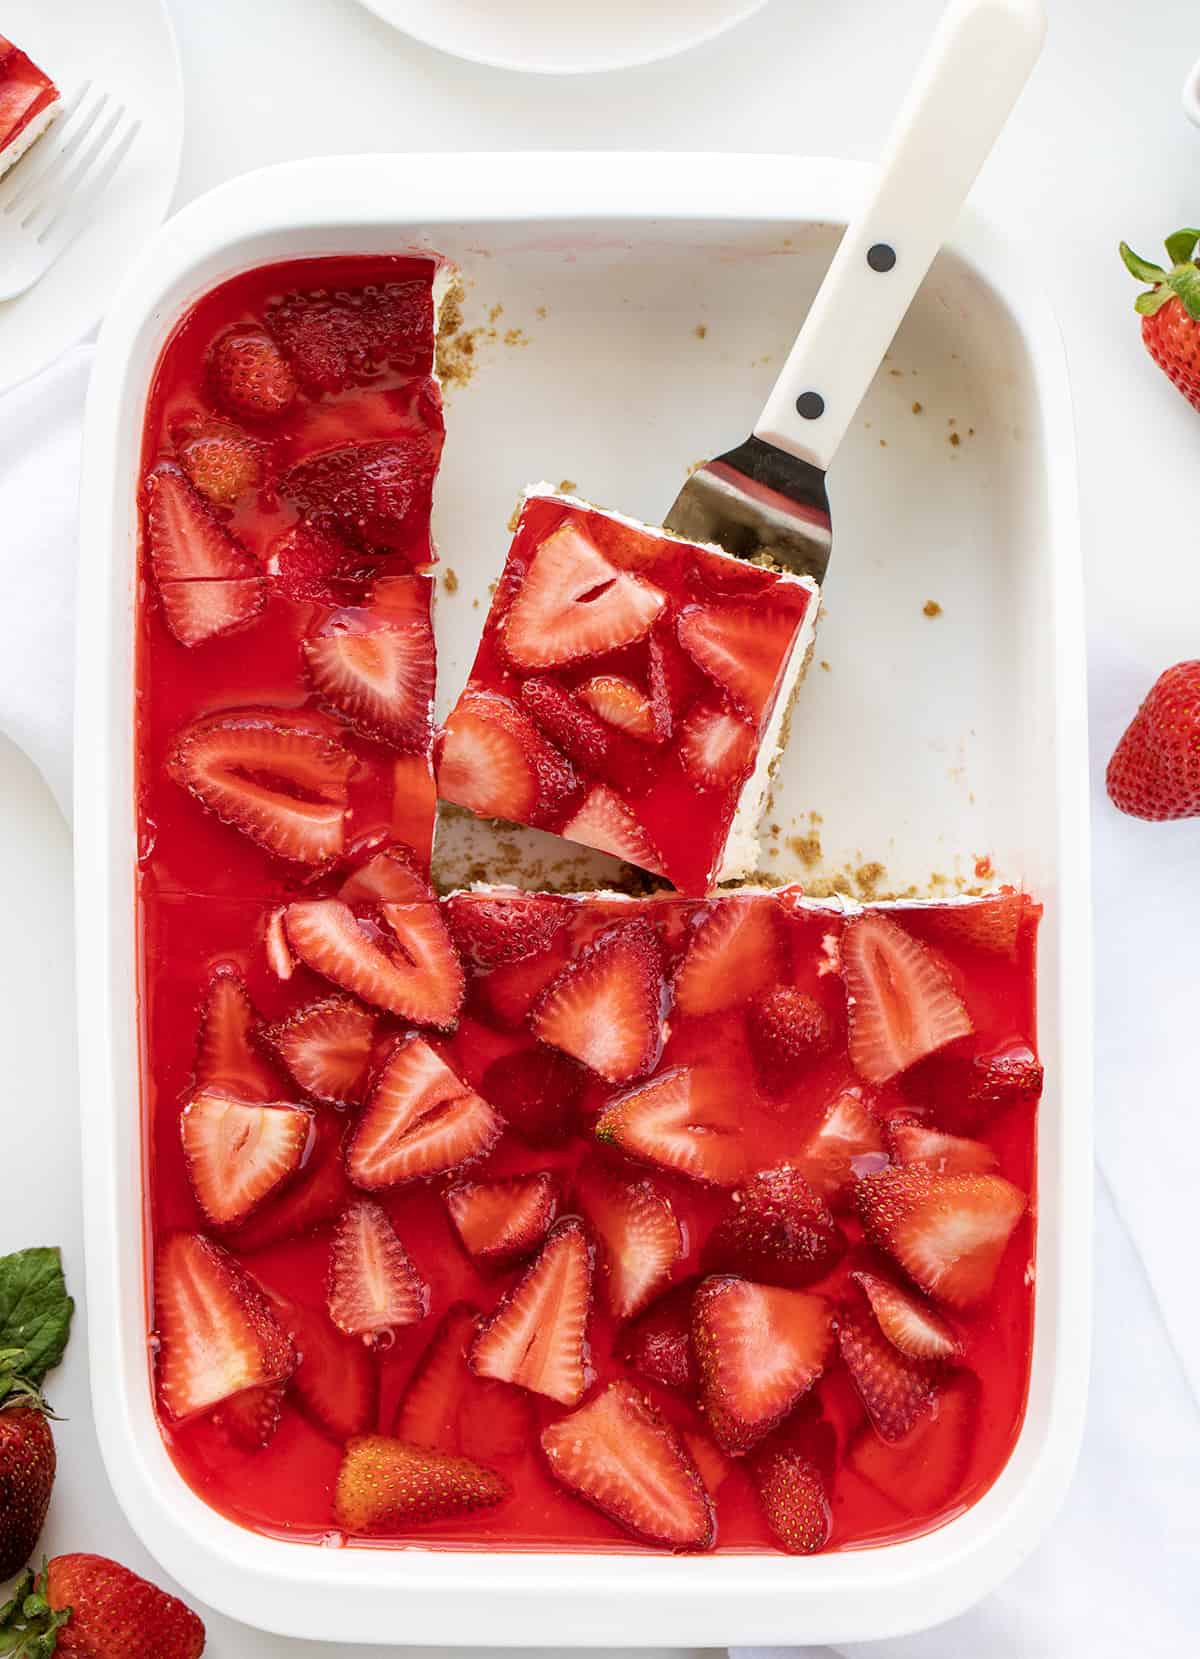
[206, 895]
[25, 91]
[686, 823]
[287, 1488]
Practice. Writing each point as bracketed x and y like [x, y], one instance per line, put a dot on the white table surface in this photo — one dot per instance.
[1098, 149]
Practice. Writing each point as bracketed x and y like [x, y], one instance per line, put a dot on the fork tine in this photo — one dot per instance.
[56, 204]
[32, 167]
[32, 191]
[76, 211]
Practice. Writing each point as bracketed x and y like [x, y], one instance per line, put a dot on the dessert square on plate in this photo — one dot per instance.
[630, 692]
[29, 101]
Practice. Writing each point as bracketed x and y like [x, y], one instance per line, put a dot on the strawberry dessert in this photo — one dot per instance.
[29, 101]
[630, 692]
[514, 1220]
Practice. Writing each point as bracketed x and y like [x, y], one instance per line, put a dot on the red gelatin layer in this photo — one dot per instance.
[26, 92]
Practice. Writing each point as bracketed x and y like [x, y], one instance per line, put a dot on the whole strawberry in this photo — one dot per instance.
[94, 1608]
[35, 1320]
[1170, 312]
[1155, 768]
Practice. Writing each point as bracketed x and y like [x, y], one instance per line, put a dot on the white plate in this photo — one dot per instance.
[548, 37]
[648, 299]
[126, 46]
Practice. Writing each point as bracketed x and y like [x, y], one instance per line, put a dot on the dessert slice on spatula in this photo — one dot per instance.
[632, 685]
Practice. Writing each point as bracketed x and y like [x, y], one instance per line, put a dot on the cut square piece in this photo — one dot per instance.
[29, 101]
[629, 692]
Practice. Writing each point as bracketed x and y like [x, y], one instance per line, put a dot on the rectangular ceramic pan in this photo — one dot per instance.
[651, 298]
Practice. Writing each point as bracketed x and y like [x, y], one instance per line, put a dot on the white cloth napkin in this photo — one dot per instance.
[1119, 1573]
[40, 426]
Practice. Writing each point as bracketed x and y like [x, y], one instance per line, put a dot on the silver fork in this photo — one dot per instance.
[52, 192]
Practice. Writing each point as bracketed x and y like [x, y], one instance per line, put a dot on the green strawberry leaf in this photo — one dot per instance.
[35, 1316]
[1182, 246]
[1141, 268]
[28, 1626]
[1146, 305]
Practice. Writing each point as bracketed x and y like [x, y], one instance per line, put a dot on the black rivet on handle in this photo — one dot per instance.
[811, 405]
[881, 257]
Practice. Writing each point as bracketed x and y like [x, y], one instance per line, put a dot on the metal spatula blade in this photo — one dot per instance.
[767, 498]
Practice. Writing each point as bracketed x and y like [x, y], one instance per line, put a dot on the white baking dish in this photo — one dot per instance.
[928, 743]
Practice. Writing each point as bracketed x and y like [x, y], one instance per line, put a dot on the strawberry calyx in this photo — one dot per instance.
[29, 1626]
[1181, 282]
[35, 1322]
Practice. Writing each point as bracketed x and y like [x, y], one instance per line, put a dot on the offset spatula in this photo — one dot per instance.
[768, 495]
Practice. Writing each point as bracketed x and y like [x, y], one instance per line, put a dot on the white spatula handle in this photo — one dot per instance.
[968, 82]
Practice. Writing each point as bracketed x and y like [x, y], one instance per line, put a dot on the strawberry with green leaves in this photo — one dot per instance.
[94, 1608]
[1170, 311]
[35, 1321]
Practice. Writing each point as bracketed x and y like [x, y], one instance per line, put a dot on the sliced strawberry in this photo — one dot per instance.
[894, 1388]
[492, 930]
[991, 924]
[336, 1380]
[279, 957]
[410, 968]
[373, 1288]
[680, 1122]
[966, 1091]
[605, 822]
[908, 1322]
[379, 677]
[407, 598]
[501, 1221]
[537, 1336]
[716, 748]
[493, 761]
[948, 1232]
[641, 1236]
[620, 703]
[632, 546]
[276, 777]
[249, 375]
[221, 462]
[571, 726]
[536, 1091]
[900, 1001]
[414, 804]
[311, 567]
[227, 1058]
[333, 339]
[713, 1467]
[606, 1008]
[733, 954]
[251, 1418]
[420, 1120]
[788, 1030]
[216, 1333]
[187, 542]
[917, 1143]
[385, 1486]
[508, 993]
[313, 1197]
[662, 702]
[923, 1471]
[239, 1153]
[743, 648]
[659, 1342]
[370, 493]
[327, 1048]
[620, 1455]
[758, 1349]
[777, 1231]
[573, 603]
[385, 875]
[196, 611]
[793, 1499]
[429, 1407]
[846, 1144]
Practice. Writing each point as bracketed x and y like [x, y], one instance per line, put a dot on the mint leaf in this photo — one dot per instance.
[35, 1311]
